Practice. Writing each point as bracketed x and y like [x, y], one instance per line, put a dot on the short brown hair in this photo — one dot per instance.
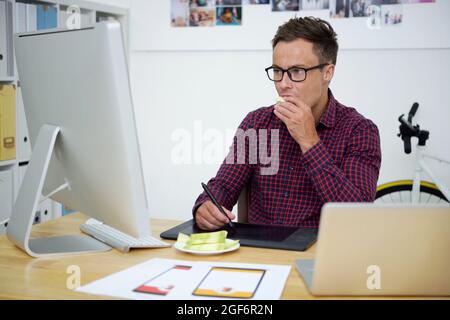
[315, 30]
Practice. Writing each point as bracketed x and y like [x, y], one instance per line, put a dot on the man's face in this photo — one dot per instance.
[300, 53]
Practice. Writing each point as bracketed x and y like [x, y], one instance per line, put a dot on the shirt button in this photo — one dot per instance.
[286, 194]
[291, 168]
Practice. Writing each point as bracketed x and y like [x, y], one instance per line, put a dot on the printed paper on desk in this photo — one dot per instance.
[159, 279]
[166, 281]
[272, 281]
[130, 283]
[230, 282]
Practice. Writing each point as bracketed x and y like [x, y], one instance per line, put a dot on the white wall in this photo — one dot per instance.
[176, 89]
[117, 3]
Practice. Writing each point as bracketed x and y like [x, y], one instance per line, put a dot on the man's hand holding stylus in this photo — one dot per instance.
[208, 217]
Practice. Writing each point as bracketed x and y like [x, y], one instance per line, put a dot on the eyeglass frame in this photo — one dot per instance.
[319, 66]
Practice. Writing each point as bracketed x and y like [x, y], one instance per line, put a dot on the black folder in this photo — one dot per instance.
[257, 235]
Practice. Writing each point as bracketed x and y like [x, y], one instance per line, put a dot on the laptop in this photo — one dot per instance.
[375, 249]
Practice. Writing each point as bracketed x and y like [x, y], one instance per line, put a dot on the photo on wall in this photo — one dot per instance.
[339, 9]
[201, 3]
[357, 8]
[382, 2]
[228, 2]
[208, 13]
[314, 4]
[202, 17]
[417, 1]
[392, 15]
[374, 18]
[396, 2]
[179, 15]
[285, 5]
[361, 8]
[245, 2]
[229, 16]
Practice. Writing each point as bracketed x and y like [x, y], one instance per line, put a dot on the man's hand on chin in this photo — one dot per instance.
[299, 120]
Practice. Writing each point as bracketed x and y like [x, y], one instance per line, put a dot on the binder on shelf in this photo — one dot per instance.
[21, 17]
[7, 122]
[3, 35]
[23, 141]
[22, 170]
[46, 16]
[31, 17]
[6, 194]
[6, 40]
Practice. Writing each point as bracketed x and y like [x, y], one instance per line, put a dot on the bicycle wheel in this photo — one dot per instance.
[401, 192]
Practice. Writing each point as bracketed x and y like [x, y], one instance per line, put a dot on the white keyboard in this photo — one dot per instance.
[117, 239]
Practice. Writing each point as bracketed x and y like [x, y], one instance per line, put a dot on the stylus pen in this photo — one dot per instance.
[213, 199]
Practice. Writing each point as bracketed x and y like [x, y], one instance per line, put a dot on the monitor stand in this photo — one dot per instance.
[22, 216]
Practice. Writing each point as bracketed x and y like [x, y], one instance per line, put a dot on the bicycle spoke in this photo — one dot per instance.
[406, 198]
[434, 200]
[392, 199]
[396, 196]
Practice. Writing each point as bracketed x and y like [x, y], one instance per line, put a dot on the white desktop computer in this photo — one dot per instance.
[80, 116]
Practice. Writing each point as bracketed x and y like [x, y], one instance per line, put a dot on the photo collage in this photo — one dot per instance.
[209, 13]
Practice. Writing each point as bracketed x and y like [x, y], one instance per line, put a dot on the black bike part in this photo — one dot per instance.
[407, 144]
[413, 111]
[423, 137]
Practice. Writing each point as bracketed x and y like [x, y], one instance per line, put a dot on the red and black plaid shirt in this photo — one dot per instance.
[342, 167]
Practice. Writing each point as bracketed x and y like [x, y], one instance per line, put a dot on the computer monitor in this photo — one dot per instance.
[81, 122]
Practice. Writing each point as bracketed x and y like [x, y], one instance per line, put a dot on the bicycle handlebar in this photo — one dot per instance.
[408, 130]
[413, 111]
[408, 124]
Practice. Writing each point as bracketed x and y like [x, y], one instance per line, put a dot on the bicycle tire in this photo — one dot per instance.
[427, 189]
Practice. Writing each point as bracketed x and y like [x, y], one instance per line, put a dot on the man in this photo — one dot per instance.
[327, 151]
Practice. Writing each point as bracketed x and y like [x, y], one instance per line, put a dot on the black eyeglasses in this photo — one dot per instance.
[296, 74]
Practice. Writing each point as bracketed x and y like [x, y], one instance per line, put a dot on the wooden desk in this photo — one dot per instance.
[23, 277]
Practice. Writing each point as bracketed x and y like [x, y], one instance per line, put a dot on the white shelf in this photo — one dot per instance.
[84, 5]
[7, 79]
[6, 163]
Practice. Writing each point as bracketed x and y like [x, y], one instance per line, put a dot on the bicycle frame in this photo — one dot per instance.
[421, 165]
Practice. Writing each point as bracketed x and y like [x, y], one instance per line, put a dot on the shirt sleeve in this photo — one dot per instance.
[234, 172]
[355, 180]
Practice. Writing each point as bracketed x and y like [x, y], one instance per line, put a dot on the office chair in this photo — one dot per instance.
[243, 204]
